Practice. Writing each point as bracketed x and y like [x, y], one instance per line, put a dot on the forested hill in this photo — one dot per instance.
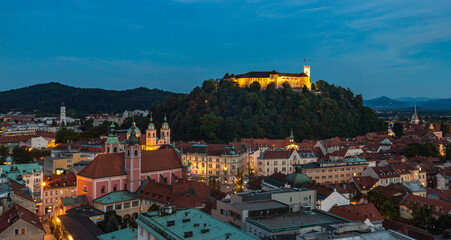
[220, 111]
[47, 98]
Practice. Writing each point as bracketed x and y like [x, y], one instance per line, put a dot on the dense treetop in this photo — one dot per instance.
[220, 111]
[47, 98]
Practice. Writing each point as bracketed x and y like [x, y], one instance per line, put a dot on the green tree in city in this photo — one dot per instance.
[421, 215]
[4, 153]
[65, 134]
[386, 205]
[154, 207]
[418, 149]
[239, 177]
[21, 155]
[398, 130]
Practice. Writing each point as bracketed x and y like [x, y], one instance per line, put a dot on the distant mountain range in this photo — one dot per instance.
[47, 98]
[386, 103]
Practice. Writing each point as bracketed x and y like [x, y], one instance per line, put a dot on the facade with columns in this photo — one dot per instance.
[117, 171]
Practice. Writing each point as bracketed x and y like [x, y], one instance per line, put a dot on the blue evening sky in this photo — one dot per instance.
[392, 48]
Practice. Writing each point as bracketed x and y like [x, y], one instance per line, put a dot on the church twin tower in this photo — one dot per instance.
[152, 142]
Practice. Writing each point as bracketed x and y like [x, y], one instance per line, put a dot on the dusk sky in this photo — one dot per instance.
[391, 48]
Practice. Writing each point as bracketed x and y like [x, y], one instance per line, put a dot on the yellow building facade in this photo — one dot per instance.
[296, 80]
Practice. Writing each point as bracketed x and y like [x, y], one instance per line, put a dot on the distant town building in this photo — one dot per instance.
[63, 120]
[339, 171]
[29, 174]
[219, 161]
[282, 160]
[55, 187]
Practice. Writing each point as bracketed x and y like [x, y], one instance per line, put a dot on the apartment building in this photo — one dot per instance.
[339, 171]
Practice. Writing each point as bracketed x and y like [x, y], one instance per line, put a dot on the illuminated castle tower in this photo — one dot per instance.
[414, 119]
[307, 70]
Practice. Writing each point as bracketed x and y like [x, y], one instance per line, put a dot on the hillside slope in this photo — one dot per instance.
[47, 98]
[220, 111]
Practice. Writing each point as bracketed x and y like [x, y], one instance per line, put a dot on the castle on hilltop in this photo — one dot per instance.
[296, 80]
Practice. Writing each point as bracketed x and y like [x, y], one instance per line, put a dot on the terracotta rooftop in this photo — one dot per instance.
[440, 207]
[442, 194]
[112, 164]
[58, 181]
[358, 212]
[20, 190]
[17, 212]
[365, 182]
[277, 154]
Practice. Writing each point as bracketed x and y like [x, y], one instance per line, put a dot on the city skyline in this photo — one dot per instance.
[375, 49]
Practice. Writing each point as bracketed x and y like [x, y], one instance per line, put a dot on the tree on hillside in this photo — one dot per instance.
[417, 149]
[221, 111]
[398, 130]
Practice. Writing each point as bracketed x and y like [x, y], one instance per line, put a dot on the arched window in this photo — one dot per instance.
[128, 152]
[115, 149]
[107, 149]
[136, 152]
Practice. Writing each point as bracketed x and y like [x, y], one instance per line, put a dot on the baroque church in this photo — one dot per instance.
[148, 141]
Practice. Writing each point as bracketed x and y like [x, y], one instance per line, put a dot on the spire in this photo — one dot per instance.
[414, 119]
[132, 140]
[165, 124]
[151, 121]
[291, 136]
[112, 129]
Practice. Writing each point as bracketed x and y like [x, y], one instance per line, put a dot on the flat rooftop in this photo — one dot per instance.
[158, 226]
[266, 194]
[259, 205]
[295, 220]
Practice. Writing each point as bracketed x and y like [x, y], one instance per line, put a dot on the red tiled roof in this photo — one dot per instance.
[365, 181]
[385, 172]
[112, 164]
[446, 172]
[183, 194]
[62, 180]
[358, 212]
[18, 212]
[442, 194]
[19, 190]
[264, 142]
[440, 207]
[45, 134]
[406, 229]
[277, 154]
[14, 139]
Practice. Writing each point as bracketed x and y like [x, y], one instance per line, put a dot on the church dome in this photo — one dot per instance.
[297, 179]
[133, 127]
